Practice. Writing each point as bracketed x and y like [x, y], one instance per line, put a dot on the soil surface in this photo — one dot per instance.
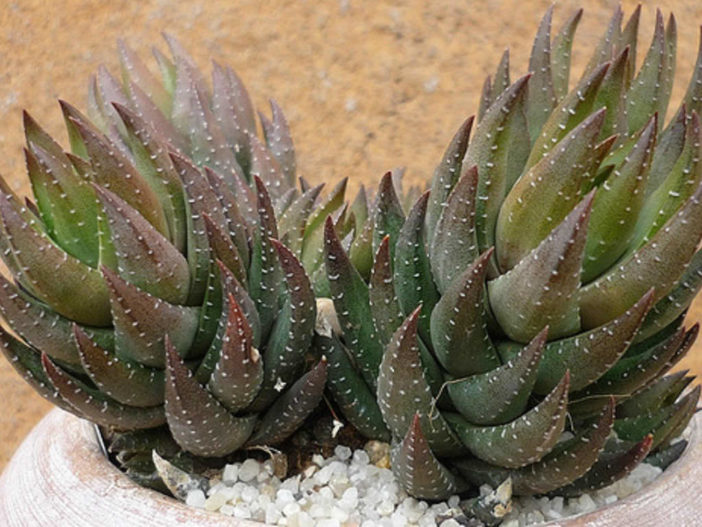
[366, 86]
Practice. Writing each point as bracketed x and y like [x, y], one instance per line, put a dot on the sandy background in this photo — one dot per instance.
[365, 85]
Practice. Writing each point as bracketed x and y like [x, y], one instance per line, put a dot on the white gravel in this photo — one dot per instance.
[346, 490]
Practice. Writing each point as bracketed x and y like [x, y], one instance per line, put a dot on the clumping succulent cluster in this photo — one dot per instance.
[176, 284]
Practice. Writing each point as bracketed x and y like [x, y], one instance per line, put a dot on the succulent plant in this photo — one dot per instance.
[520, 318]
[158, 276]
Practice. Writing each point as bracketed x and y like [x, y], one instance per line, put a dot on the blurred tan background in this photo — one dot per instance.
[365, 85]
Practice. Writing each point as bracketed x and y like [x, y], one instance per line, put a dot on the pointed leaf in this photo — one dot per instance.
[498, 153]
[223, 249]
[51, 273]
[97, 407]
[660, 263]
[650, 90]
[238, 374]
[291, 409]
[293, 329]
[610, 467]
[542, 97]
[663, 391]
[350, 294]
[199, 423]
[350, 392]
[589, 355]
[454, 246]
[66, 203]
[151, 159]
[522, 441]
[141, 321]
[545, 282]
[41, 327]
[414, 284]
[144, 257]
[27, 363]
[674, 304]
[547, 193]
[560, 54]
[114, 171]
[265, 274]
[446, 174]
[127, 382]
[605, 49]
[572, 110]
[418, 471]
[388, 216]
[458, 324]
[280, 142]
[499, 395]
[617, 204]
[403, 391]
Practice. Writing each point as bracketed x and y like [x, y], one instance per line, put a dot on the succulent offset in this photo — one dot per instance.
[519, 319]
[174, 283]
[150, 285]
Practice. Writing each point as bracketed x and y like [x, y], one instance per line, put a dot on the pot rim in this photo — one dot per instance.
[61, 457]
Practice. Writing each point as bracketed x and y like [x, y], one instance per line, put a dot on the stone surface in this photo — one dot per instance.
[366, 85]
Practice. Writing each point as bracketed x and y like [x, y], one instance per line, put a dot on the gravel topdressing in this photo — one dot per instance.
[348, 490]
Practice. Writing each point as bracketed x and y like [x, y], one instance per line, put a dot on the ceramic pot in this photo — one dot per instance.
[59, 477]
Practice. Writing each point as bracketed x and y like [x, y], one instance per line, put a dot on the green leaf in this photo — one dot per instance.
[127, 382]
[145, 257]
[280, 142]
[590, 354]
[612, 96]
[683, 179]
[134, 70]
[458, 324]
[350, 294]
[660, 263]
[224, 249]
[663, 391]
[499, 395]
[142, 320]
[499, 152]
[650, 90]
[238, 374]
[522, 441]
[560, 467]
[542, 97]
[446, 174]
[41, 327]
[610, 467]
[199, 199]
[605, 49]
[388, 216]
[561, 54]
[92, 404]
[674, 304]
[668, 150]
[291, 409]
[199, 423]
[629, 37]
[112, 169]
[414, 284]
[547, 193]
[350, 391]
[233, 112]
[692, 100]
[454, 246]
[403, 391]
[66, 203]
[545, 282]
[27, 363]
[53, 275]
[416, 468]
[151, 159]
[576, 106]
[293, 329]
[385, 306]
[617, 204]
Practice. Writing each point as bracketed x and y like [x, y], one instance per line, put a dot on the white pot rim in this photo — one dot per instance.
[59, 475]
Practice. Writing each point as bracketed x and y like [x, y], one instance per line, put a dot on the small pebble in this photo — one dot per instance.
[353, 488]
